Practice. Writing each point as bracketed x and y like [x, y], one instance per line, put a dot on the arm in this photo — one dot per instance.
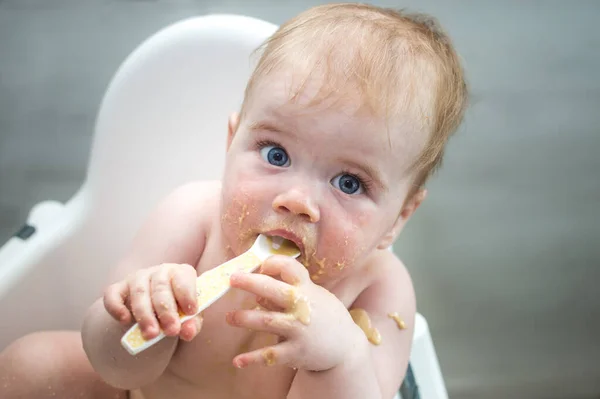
[370, 371]
[175, 232]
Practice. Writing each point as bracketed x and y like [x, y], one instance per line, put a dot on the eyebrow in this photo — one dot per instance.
[264, 125]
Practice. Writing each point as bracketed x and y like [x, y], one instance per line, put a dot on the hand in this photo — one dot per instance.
[152, 297]
[316, 330]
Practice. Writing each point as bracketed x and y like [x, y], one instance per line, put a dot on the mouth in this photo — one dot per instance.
[288, 236]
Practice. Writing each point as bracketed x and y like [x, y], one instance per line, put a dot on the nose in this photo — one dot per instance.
[297, 202]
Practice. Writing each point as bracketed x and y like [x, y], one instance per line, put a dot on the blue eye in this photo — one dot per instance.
[275, 155]
[348, 184]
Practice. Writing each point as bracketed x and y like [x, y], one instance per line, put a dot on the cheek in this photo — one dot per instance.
[337, 254]
[362, 219]
[236, 209]
[240, 212]
[344, 242]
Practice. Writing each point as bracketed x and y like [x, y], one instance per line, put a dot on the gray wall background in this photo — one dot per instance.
[505, 251]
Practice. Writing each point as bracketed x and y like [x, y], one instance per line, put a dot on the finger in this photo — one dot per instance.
[163, 302]
[278, 292]
[115, 298]
[260, 320]
[268, 305]
[183, 283]
[141, 305]
[191, 328]
[290, 270]
[280, 354]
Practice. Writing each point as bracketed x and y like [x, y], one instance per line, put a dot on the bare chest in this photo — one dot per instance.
[205, 364]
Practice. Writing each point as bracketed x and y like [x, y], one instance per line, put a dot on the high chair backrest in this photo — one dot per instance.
[161, 123]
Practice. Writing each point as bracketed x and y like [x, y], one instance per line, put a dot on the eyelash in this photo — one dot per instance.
[366, 183]
[265, 143]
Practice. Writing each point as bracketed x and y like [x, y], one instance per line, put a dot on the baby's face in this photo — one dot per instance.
[329, 177]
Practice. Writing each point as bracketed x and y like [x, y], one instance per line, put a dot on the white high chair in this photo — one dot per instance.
[161, 123]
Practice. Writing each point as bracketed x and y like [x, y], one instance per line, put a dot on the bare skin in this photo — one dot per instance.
[51, 365]
[203, 367]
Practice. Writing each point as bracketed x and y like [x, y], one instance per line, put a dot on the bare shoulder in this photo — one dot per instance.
[175, 230]
[195, 194]
[187, 209]
[389, 300]
[391, 289]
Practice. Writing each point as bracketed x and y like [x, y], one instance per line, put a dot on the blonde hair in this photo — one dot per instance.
[396, 60]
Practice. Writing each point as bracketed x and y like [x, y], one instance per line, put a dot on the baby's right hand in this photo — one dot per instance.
[152, 297]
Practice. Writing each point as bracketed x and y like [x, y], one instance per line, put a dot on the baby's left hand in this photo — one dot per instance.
[316, 330]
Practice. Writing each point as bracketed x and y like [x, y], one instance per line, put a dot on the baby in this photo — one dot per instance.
[343, 121]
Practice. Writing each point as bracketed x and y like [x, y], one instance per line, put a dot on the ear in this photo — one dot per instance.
[407, 211]
[232, 126]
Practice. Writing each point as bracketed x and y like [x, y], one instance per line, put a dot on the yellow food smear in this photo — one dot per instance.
[287, 248]
[135, 338]
[362, 319]
[299, 308]
[269, 356]
[399, 322]
[243, 215]
[214, 282]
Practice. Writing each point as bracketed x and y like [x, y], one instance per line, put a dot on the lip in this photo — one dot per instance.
[288, 235]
